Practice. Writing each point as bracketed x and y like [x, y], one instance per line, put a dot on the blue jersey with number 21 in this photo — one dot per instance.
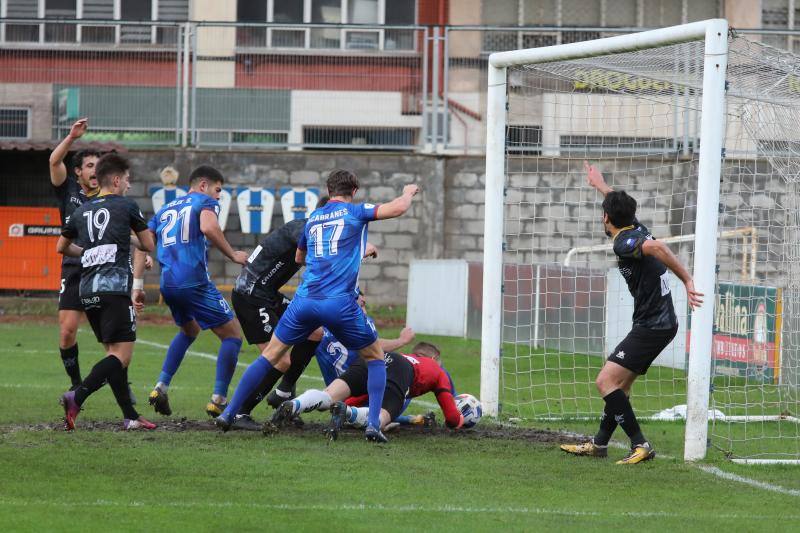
[334, 240]
[181, 245]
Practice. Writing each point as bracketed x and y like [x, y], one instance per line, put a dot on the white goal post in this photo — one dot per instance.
[715, 35]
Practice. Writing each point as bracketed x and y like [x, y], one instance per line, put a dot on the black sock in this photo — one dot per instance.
[69, 357]
[619, 404]
[261, 391]
[118, 381]
[607, 427]
[301, 355]
[96, 378]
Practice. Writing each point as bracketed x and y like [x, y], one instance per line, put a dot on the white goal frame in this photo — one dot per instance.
[715, 34]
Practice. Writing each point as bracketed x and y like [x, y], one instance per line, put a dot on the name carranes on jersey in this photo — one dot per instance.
[327, 216]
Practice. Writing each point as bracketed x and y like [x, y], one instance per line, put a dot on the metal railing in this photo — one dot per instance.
[278, 86]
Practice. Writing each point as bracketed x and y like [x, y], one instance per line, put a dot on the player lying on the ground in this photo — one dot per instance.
[406, 376]
[333, 359]
[332, 246]
[103, 226]
[182, 229]
[71, 191]
[643, 262]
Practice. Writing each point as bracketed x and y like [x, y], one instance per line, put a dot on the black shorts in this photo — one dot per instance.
[640, 347]
[68, 297]
[399, 378]
[258, 317]
[112, 317]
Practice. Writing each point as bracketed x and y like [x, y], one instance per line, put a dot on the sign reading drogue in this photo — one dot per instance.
[747, 332]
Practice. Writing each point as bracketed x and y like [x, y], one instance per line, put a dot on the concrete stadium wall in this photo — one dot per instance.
[446, 221]
[419, 234]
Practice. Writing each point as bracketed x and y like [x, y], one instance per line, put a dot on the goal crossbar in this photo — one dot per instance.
[714, 32]
[748, 258]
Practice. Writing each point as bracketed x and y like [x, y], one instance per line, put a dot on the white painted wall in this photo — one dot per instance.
[437, 297]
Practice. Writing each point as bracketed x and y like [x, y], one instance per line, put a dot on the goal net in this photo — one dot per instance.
[636, 111]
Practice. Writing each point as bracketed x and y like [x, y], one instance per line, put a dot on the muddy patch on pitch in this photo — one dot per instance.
[482, 431]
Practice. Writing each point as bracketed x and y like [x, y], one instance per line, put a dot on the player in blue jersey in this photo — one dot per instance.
[182, 229]
[331, 247]
[333, 359]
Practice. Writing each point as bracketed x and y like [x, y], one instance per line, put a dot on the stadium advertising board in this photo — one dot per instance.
[747, 331]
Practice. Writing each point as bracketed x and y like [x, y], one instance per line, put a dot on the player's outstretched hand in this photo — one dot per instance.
[595, 178]
[411, 189]
[138, 298]
[240, 257]
[148, 262]
[79, 128]
[370, 251]
[695, 298]
[407, 335]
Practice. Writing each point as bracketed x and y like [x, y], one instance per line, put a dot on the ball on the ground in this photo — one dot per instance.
[471, 408]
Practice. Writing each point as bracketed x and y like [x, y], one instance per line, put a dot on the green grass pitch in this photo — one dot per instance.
[100, 479]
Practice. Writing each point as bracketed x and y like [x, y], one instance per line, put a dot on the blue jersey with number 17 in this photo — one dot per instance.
[181, 245]
[334, 240]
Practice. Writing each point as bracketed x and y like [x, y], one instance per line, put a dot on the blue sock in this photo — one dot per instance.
[403, 420]
[226, 364]
[250, 381]
[376, 384]
[405, 405]
[175, 353]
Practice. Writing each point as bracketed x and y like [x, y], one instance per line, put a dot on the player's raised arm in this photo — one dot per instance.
[661, 251]
[399, 205]
[390, 345]
[209, 225]
[58, 170]
[595, 178]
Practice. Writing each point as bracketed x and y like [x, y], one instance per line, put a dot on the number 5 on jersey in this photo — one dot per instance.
[317, 233]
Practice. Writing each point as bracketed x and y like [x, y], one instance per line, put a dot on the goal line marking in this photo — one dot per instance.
[346, 507]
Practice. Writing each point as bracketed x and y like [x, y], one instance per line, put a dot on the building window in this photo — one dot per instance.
[775, 16]
[374, 13]
[22, 32]
[14, 123]
[50, 30]
[579, 13]
[60, 33]
[328, 12]
[100, 33]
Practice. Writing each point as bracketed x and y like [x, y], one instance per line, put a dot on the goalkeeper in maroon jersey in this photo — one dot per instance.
[407, 376]
[644, 263]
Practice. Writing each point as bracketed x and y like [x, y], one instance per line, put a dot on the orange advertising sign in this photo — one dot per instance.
[28, 258]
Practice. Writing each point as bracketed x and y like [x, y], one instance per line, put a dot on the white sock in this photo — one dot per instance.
[218, 399]
[313, 399]
[283, 394]
[163, 387]
[361, 414]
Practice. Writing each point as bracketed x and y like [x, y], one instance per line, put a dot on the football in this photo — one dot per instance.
[471, 408]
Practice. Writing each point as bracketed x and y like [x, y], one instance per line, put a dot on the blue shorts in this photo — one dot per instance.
[341, 315]
[202, 303]
[334, 361]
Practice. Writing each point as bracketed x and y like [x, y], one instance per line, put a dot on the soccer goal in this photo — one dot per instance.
[702, 127]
